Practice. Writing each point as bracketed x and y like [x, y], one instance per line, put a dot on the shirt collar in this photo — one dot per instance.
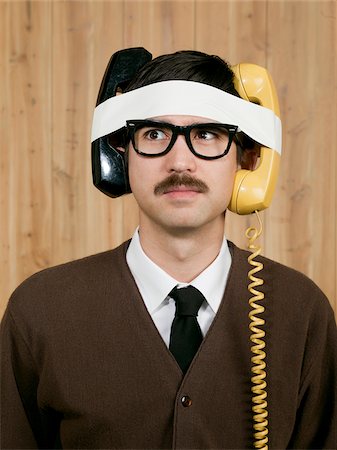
[155, 284]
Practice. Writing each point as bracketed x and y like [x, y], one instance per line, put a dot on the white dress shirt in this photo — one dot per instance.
[155, 284]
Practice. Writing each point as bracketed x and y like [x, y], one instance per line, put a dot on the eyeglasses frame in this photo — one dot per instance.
[180, 130]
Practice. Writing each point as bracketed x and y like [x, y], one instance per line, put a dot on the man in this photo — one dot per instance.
[95, 353]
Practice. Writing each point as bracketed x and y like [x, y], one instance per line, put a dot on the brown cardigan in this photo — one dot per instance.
[83, 365]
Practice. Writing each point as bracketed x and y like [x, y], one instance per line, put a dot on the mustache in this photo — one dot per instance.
[176, 180]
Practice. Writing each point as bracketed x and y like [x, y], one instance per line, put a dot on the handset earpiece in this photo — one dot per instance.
[108, 166]
[253, 189]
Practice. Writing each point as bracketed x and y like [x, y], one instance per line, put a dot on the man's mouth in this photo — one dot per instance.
[181, 188]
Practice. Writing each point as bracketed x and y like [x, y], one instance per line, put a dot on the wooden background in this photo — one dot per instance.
[53, 56]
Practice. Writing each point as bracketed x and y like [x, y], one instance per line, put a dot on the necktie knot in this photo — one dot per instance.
[188, 300]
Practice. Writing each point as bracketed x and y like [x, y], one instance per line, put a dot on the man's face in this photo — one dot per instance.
[178, 191]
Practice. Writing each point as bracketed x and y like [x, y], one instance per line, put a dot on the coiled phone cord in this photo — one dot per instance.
[259, 398]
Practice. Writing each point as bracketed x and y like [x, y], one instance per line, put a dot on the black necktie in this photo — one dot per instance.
[186, 335]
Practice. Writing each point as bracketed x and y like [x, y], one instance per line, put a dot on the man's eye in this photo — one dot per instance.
[154, 135]
[205, 135]
[209, 134]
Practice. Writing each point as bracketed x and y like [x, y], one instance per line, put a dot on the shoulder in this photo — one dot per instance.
[283, 284]
[71, 282]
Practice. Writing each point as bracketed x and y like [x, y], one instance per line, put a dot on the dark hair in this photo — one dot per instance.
[187, 65]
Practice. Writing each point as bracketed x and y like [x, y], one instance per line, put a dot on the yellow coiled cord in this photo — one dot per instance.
[259, 398]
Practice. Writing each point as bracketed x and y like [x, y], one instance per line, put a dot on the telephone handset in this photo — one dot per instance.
[253, 189]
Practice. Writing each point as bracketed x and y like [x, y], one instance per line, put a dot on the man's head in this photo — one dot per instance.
[179, 189]
[182, 84]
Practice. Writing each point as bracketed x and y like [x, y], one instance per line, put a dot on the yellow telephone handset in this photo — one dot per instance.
[253, 189]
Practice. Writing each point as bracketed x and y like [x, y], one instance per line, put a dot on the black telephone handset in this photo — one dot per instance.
[109, 172]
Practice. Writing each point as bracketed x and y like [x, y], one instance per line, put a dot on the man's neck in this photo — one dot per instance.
[183, 254]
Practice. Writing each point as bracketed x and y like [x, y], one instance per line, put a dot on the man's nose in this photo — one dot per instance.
[180, 158]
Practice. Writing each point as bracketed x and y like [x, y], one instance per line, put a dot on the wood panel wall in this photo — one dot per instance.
[53, 56]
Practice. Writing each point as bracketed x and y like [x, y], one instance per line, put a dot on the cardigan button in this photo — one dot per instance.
[186, 401]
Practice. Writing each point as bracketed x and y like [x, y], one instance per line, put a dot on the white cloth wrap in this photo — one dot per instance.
[178, 97]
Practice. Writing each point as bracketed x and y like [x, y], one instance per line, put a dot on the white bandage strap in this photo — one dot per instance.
[178, 97]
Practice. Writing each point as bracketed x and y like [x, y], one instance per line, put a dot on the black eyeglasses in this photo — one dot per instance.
[205, 140]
